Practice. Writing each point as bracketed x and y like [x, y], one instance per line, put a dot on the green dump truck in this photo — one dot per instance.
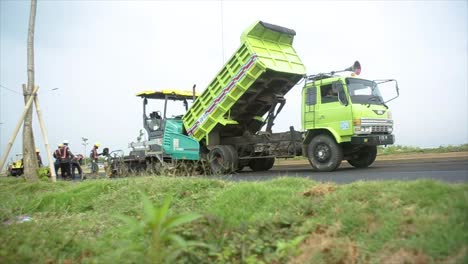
[230, 123]
[345, 118]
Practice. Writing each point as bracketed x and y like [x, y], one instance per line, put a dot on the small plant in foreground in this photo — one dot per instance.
[43, 173]
[158, 228]
[289, 248]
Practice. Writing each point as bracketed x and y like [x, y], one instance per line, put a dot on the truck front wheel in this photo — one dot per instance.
[365, 157]
[324, 153]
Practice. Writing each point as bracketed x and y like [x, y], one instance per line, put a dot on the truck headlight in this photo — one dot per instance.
[363, 129]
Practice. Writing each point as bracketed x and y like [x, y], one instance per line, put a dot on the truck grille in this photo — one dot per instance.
[376, 122]
[379, 129]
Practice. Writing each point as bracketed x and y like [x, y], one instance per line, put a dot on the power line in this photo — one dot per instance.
[11, 90]
[222, 30]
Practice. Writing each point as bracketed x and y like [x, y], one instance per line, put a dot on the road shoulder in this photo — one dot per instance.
[392, 157]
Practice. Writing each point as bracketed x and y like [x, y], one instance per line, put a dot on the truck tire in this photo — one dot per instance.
[234, 157]
[365, 157]
[223, 159]
[261, 164]
[324, 153]
[242, 164]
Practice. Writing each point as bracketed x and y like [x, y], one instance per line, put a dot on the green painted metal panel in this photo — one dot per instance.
[265, 64]
[178, 145]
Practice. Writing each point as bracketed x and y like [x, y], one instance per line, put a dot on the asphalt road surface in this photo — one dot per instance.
[452, 169]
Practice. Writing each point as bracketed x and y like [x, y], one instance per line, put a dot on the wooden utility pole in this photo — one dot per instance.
[17, 128]
[53, 177]
[30, 162]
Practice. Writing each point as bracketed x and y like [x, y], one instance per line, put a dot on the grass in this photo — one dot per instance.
[283, 220]
[398, 149]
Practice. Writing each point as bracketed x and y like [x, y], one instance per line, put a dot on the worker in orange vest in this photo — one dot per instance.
[66, 157]
[57, 157]
[94, 159]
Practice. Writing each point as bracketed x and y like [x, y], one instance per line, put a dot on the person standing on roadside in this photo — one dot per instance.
[39, 159]
[57, 155]
[76, 164]
[66, 157]
[94, 159]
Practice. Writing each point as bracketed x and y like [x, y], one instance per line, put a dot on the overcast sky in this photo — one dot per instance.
[101, 53]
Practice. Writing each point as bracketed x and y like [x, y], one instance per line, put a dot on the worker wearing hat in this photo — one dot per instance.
[76, 165]
[57, 156]
[66, 157]
[94, 158]
[39, 159]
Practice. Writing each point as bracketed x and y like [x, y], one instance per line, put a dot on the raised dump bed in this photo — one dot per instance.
[256, 77]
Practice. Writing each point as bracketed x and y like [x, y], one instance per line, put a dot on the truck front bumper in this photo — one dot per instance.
[373, 140]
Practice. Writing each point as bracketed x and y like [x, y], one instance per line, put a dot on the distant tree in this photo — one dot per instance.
[29, 149]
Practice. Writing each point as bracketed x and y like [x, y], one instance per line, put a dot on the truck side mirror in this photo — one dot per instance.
[339, 88]
[145, 101]
[388, 88]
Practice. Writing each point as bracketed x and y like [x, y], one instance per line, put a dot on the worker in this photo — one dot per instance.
[94, 159]
[57, 155]
[39, 159]
[76, 164]
[106, 154]
[328, 96]
[66, 157]
[155, 120]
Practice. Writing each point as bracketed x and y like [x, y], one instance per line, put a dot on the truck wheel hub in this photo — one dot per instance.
[322, 153]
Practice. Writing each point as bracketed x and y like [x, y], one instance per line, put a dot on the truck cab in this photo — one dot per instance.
[345, 118]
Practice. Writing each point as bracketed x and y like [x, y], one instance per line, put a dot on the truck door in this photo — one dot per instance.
[308, 110]
[333, 111]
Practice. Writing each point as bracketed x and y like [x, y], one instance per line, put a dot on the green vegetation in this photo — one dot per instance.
[397, 149]
[292, 220]
[163, 245]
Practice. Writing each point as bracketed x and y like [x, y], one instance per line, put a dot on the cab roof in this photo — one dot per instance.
[171, 93]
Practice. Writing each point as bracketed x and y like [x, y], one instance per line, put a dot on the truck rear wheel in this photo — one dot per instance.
[365, 157]
[261, 164]
[324, 153]
[234, 157]
[223, 159]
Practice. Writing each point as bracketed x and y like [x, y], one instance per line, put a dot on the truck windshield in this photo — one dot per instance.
[364, 91]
